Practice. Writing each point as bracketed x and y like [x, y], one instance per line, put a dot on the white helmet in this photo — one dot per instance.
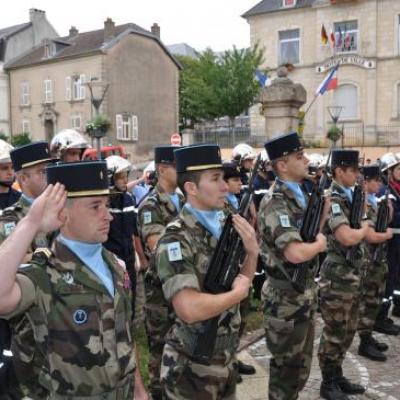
[117, 164]
[315, 160]
[389, 160]
[67, 139]
[243, 152]
[5, 149]
[151, 167]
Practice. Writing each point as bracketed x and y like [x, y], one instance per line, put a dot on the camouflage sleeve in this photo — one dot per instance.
[175, 265]
[279, 226]
[150, 221]
[28, 295]
[7, 224]
[337, 216]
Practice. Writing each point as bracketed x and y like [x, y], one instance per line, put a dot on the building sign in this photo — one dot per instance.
[352, 59]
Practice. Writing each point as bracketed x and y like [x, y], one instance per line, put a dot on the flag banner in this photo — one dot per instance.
[262, 78]
[329, 83]
[324, 35]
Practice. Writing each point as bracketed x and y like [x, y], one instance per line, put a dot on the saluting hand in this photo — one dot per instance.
[45, 210]
[248, 235]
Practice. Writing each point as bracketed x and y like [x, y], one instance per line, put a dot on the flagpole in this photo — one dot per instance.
[310, 105]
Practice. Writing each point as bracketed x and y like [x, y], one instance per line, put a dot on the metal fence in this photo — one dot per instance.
[354, 135]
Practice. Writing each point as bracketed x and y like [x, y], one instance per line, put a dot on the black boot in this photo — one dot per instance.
[368, 348]
[246, 369]
[381, 346]
[330, 389]
[387, 327]
[346, 386]
[396, 311]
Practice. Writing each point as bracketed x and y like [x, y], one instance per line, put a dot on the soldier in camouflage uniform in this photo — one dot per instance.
[77, 294]
[288, 314]
[29, 162]
[155, 212]
[182, 258]
[373, 284]
[340, 283]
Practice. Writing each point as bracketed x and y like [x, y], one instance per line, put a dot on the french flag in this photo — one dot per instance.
[329, 83]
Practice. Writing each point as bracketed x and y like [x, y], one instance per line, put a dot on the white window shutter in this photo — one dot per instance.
[68, 88]
[119, 125]
[82, 90]
[135, 128]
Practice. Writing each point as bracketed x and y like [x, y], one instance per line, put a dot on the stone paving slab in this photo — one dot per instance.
[381, 379]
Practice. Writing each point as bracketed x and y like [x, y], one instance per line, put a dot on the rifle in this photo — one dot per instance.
[356, 213]
[222, 271]
[310, 227]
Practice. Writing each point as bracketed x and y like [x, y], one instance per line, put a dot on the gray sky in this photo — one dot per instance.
[200, 23]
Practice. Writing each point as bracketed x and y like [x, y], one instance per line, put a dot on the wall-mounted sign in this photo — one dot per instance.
[352, 59]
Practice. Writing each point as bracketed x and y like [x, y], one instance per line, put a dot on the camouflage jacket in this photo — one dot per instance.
[9, 218]
[340, 214]
[182, 258]
[280, 217]
[84, 335]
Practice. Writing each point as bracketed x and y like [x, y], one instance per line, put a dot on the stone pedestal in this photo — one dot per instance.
[280, 104]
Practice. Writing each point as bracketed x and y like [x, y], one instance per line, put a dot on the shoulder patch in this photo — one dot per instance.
[174, 251]
[147, 217]
[284, 220]
[8, 228]
[336, 209]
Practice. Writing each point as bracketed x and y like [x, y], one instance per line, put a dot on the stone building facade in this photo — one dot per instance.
[14, 41]
[366, 44]
[50, 86]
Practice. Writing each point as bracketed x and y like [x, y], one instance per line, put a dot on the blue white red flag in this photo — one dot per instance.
[262, 78]
[329, 83]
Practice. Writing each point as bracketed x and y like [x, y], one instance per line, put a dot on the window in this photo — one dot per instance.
[288, 3]
[347, 97]
[127, 127]
[75, 88]
[289, 46]
[346, 36]
[76, 122]
[25, 99]
[26, 126]
[48, 91]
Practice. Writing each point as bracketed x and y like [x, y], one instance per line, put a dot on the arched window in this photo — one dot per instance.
[347, 97]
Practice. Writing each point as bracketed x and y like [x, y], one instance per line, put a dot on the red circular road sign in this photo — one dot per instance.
[176, 139]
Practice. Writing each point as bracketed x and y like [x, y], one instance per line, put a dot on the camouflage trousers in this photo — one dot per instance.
[157, 324]
[289, 329]
[182, 378]
[340, 294]
[373, 290]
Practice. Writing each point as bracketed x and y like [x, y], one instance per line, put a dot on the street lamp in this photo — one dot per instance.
[98, 90]
[334, 132]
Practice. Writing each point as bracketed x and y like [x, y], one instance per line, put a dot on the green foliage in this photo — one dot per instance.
[4, 137]
[212, 86]
[100, 122]
[20, 139]
[334, 133]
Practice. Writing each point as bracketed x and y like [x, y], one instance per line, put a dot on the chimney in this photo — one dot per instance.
[73, 32]
[109, 29]
[36, 14]
[155, 30]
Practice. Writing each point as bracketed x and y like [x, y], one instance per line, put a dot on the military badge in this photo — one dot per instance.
[8, 227]
[147, 217]
[336, 209]
[284, 220]
[80, 316]
[174, 251]
[68, 278]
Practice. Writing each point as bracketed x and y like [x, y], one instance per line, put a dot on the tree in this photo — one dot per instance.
[20, 139]
[238, 88]
[211, 87]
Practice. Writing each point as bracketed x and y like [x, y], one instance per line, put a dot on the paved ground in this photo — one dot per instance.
[381, 379]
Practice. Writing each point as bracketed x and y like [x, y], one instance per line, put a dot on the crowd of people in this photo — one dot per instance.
[74, 235]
